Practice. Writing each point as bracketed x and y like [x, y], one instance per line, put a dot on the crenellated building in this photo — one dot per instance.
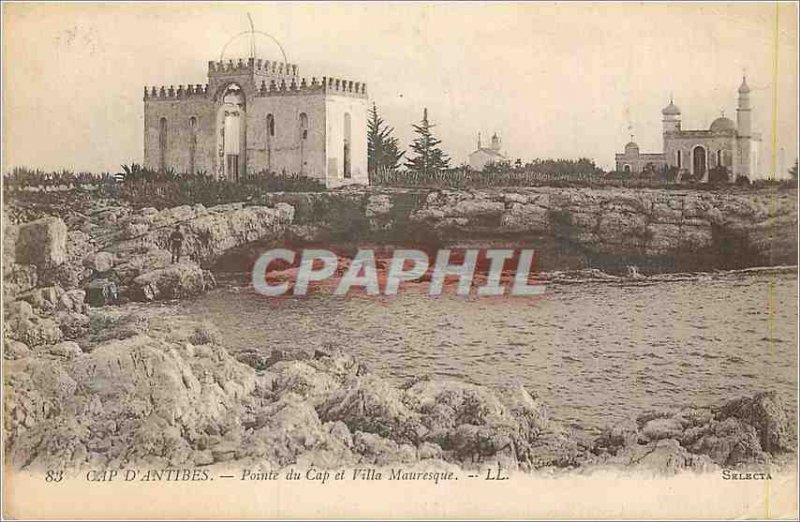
[696, 152]
[256, 115]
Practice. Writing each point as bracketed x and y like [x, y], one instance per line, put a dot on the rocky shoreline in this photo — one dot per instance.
[146, 387]
[92, 385]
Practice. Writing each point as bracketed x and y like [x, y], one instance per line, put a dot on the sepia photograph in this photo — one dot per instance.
[400, 260]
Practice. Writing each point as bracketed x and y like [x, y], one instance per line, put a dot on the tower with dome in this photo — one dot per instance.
[726, 143]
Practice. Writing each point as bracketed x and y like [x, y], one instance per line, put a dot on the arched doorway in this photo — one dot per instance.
[231, 133]
[346, 152]
[699, 161]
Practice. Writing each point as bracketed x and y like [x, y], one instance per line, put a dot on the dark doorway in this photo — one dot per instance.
[699, 161]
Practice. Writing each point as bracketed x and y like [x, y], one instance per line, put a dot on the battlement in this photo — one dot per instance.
[252, 65]
[171, 93]
[325, 85]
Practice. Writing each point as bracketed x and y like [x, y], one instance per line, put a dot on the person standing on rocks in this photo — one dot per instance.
[176, 244]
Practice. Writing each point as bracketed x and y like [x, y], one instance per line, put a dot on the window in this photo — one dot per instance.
[270, 125]
[303, 126]
[162, 144]
[192, 143]
[626, 168]
[346, 151]
[678, 154]
[719, 158]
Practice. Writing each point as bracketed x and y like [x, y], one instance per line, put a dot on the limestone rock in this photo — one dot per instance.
[42, 243]
[15, 349]
[99, 262]
[369, 404]
[66, 349]
[22, 324]
[174, 282]
[73, 325]
[767, 413]
[72, 301]
[46, 298]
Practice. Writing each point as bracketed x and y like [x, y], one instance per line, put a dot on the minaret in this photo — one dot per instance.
[671, 121]
[479, 141]
[495, 142]
[671, 117]
[743, 110]
[743, 126]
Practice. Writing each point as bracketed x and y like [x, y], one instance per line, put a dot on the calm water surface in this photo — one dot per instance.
[596, 353]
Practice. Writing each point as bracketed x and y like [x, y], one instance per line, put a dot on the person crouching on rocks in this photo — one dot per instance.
[176, 244]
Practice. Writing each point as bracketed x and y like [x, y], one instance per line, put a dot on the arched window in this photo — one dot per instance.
[346, 134]
[192, 143]
[303, 126]
[270, 135]
[680, 158]
[626, 168]
[719, 158]
[162, 144]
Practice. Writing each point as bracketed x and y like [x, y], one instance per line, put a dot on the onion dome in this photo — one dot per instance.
[722, 124]
[671, 110]
[744, 88]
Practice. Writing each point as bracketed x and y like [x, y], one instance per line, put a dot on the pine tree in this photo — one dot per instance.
[428, 157]
[383, 151]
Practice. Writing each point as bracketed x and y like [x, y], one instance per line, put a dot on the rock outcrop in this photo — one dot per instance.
[118, 254]
[609, 228]
[146, 388]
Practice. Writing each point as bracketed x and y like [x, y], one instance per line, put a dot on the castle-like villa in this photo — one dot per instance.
[695, 152]
[255, 115]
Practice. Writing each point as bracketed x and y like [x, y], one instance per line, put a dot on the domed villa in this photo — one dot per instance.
[695, 152]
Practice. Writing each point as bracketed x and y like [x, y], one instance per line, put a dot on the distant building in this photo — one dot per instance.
[257, 115]
[482, 156]
[695, 152]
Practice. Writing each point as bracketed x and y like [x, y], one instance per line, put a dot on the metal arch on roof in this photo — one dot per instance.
[252, 32]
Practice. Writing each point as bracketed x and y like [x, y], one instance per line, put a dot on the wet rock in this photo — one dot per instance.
[471, 443]
[42, 243]
[102, 292]
[767, 413]
[727, 443]
[174, 282]
[657, 429]
[616, 437]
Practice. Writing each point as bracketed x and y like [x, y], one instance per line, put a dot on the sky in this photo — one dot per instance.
[555, 80]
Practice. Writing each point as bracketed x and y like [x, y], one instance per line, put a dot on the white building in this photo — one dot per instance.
[256, 115]
[482, 156]
[695, 152]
